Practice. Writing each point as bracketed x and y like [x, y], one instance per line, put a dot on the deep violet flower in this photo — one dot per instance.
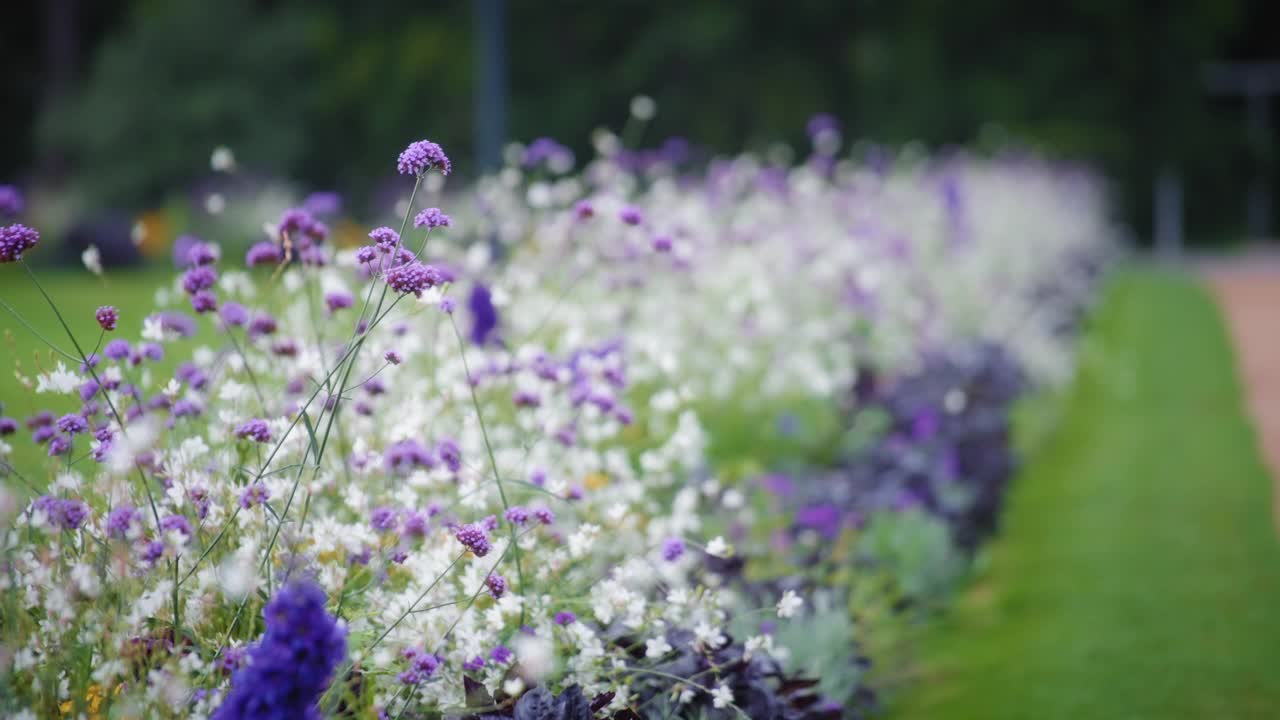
[73, 424]
[497, 585]
[450, 454]
[255, 494]
[11, 202]
[263, 253]
[672, 549]
[107, 317]
[484, 316]
[631, 215]
[117, 349]
[564, 617]
[413, 277]
[404, 456]
[383, 519]
[385, 238]
[338, 300]
[291, 666]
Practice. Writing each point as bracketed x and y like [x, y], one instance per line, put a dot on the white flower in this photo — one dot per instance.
[222, 159]
[92, 259]
[656, 647]
[790, 604]
[722, 696]
[61, 380]
[643, 107]
[719, 548]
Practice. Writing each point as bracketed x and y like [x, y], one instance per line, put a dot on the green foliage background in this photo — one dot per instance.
[325, 91]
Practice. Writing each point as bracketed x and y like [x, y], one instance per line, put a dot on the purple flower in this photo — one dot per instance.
[117, 349]
[663, 243]
[484, 316]
[204, 301]
[323, 202]
[290, 666]
[631, 215]
[262, 325]
[366, 254]
[474, 538]
[385, 238]
[201, 253]
[393, 357]
[447, 305]
[199, 278]
[383, 519]
[422, 156]
[544, 515]
[11, 202]
[584, 210]
[564, 617]
[8, 426]
[672, 549]
[338, 300]
[263, 253]
[255, 494]
[120, 519]
[413, 278]
[153, 352]
[517, 515]
[404, 456]
[59, 445]
[432, 218]
[501, 654]
[497, 585]
[232, 659]
[72, 424]
[451, 454]
[153, 551]
[68, 514]
[233, 314]
[177, 523]
[415, 524]
[824, 517]
[255, 429]
[822, 123]
[15, 240]
[107, 317]
[474, 664]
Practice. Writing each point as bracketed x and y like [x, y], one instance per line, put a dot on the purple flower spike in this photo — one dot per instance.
[432, 218]
[15, 240]
[474, 538]
[422, 156]
[255, 430]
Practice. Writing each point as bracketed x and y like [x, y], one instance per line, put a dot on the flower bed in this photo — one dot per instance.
[618, 443]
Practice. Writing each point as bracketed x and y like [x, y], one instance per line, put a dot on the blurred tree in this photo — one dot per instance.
[326, 91]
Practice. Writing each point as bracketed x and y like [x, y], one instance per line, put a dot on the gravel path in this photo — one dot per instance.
[1248, 291]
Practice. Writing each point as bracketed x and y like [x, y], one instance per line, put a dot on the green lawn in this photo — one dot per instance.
[78, 294]
[1138, 575]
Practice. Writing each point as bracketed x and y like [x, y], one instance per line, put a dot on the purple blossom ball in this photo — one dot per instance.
[204, 302]
[383, 519]
[631, 215]
[120, 519]
[11, 202]
[233, 314]
[564, 617]
[584, 210]
[474, 538]
[385, 238]
[338, 300]
[263, 253]
[432, 218]
[497, 585]
[517, 515]
[73, 424]
[199, 278]
[255, 494]
[413, 277]
[393, 357]
[107, 317]
[177, 523]
[255, 430]
[672, 549]
[8, 426]
[422, 156]
[475, 664]
[15, 240]
[366, 254]
[450, 454]
[544, 515]
[117, 349]
[501, 654]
